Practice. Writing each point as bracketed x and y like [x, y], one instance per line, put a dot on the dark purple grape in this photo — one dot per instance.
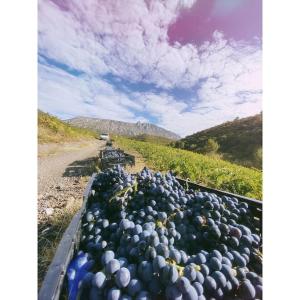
[107, 256]
[114, 294]
[173, 293]
[210, 284]
[134, 287]
[198, 287]
[183, 284]
[219, 278]
[189, 272]
[143, 295]
[99, 280]
[246, 290]
[215, 264]
[158, 263]
[122, 277]
[112, 266]
[191, 294]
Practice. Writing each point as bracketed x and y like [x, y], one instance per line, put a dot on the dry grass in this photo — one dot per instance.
[53, 130]
[50, 234]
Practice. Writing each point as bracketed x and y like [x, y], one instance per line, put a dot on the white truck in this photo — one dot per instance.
[104, 136]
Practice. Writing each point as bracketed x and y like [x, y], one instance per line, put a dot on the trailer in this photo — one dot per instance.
[110, 157]
[54, 286]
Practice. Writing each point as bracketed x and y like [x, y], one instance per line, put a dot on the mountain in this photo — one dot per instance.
[239, 141]
[121, 128]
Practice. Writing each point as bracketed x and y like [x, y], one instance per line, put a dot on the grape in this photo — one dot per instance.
[173, 274]
[183, 284]
[175, 255]
[258, 291]
[173, 293]
[241, 274]
[99, 280]
[122, 277]
[215, 264]
[89, 217]
[198, 287]
[190, 272]
[134, 287]
[226, 261]
[114, 294]
[184, 257]
[132, 269]
[217, 254]
[157, 239]
[246, 290]
[162, 250]
[145, 271]
[200, 258]
[228, 287]
[219, 278]
[143, 295]
[191, 294]
[204, 269]
[125, 297]
[107, 256]
[199, 277]
[210, 284]
[218, 294]
[123, 262]
[124, 224]
[112, 266]
[158, 263]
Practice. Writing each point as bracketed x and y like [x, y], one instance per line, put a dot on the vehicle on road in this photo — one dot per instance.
[104, 136]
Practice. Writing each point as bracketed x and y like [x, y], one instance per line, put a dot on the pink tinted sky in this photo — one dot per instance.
[196, 63]
[237, 19]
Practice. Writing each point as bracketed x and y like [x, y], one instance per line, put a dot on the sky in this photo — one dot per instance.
[184, 65]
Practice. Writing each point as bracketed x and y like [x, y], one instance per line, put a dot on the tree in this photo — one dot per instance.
[258, 156]
[211, 146]
[179, 144]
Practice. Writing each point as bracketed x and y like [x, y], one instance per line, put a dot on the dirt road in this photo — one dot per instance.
[63, 171]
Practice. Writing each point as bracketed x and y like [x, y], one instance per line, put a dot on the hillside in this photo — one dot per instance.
[209, 171]
[240, 141]
[53, 130]
[153, 139]
[122, 128]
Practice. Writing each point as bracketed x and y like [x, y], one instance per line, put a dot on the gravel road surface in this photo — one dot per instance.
[63, 171]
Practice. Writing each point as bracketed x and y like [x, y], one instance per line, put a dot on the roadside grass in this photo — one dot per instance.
[53, 130]
[50, 234]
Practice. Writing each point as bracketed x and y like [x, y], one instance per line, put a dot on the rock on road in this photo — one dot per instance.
[63, 171]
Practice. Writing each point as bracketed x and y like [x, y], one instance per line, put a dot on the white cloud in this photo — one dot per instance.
[62, 94]
[131, 41]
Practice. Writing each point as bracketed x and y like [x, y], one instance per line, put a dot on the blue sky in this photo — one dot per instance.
[148, 62]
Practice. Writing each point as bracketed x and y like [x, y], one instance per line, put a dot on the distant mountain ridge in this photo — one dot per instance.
[121, 128]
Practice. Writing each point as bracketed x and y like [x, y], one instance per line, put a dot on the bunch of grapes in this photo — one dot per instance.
[151, 238]
[112, 153]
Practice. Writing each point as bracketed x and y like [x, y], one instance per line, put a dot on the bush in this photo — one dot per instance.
[211, 146]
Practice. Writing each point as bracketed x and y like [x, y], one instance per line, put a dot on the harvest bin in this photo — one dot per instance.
[55, 280]
[109, 162]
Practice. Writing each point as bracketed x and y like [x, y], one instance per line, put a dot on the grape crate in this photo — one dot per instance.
[110, 157]
[153, 236]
